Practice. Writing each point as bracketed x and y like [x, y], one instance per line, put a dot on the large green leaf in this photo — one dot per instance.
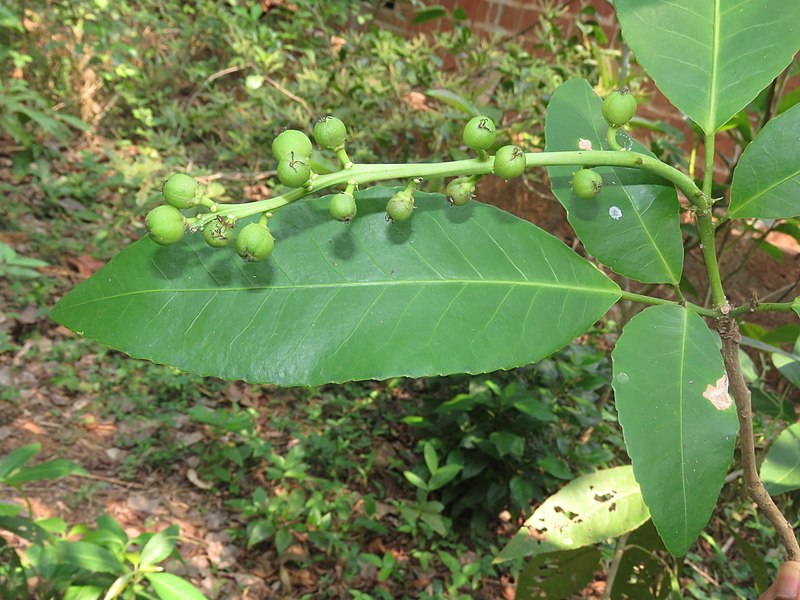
[780, 470]
[678, 420]
[588, 510]
[766, 182]
[644, 243]
[711, 57]
[449, 291]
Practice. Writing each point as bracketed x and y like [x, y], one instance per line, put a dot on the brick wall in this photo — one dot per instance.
[503, 17]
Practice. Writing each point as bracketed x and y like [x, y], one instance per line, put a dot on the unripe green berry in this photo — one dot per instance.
[179, 190]
[586, 183]
[290, 141]
[479, 133]
[343, 207]
[218, 233]
[294, 172]
[254, 242]
[165, 225]
[619, 107]
[460, 191]
[509, 162]
[400, 206]
[330, 132]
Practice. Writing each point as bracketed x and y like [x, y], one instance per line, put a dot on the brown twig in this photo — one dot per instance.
[729, 332]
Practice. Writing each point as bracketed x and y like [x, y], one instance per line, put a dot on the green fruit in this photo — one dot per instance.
[218, 233]
[343, 207]
[294, 173]
[479, 133]
[509, 162]
[586, 183]
[619, 107]
[179, 190]
[330, 132]
[290, 141]
[254, 242]
[400, 207]
[165, 225]
[460, 191]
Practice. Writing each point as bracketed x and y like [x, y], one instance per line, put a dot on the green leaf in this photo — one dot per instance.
[455, 101]
[431, 460]
[680, 442]
[507, 443]
[429, 14]
[415, 480]
[449, 291]
[710, 59]
[9, 510]
[90, 557]
[172, 587]
[780, 470]
[555, 467]
[766, 182]
[443, 476]
[788, 367]
[645, 243]
[25, 528]
[84, 592]
[588, 510]
[641, 573]
[52, 469]
[159, 547]
[17, 458]
[758, 566]
[557, 575]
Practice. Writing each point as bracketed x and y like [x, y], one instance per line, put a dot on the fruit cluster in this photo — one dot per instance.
[166, 224]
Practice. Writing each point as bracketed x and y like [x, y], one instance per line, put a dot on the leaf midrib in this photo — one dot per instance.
[714, 75]
[398, 283]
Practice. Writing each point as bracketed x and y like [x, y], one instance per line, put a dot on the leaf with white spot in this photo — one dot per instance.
[679, 426]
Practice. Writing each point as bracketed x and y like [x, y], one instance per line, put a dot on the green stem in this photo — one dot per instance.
[705, 228]
[344, 159]
[763, 307]
[362, 174]
[611, 137]
[705, 312]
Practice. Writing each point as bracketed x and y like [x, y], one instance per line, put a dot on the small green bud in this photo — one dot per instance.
[460, 191]
[479, 133]
[294, 172]
[330, 132]
[586, 183]
[165, 225]
[619, 107]
[291, 141]
[180, 190]
[219, 232]
[254, 242]
[343, 207]
[509, 162]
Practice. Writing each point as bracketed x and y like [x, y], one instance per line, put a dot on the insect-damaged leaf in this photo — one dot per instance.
[587, 510]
